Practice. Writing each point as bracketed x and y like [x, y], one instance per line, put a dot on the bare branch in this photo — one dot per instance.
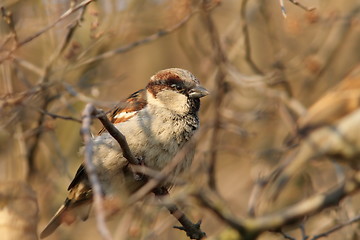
[249, 228]
[62, 17]
[166, 171]
[81, 5]
[28, 65]
[8, 18]
[53, 115]
[88, 114]
[220, 60]
[246, 35]
[192, 230]
[286, 236]
[118, 136]
[336, 228]
[45, 77]
[132, 45]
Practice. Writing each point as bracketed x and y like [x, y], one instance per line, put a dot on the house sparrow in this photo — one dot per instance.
[157, 121]
[330, 128]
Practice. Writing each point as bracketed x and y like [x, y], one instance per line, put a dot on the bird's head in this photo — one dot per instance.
[177, 90]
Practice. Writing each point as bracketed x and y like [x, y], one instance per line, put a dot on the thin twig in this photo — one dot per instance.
[249, 228]
[37, 34]
[283, 9]
[8, 18]
[286, 236]
[33, 148]
[246, 35]
[303, 232]
[62, 17]
[132, 45]
[88, 114]
[192, 230]
[118, 136]
[301, 5]
[53, 115]
[336, 228]
[220, 60]
[28, 65]
[212, 201]
[155, 174]
[45, 78]
[254, 196]
[166, 171]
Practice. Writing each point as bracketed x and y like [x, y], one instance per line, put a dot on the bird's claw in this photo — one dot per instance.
[139, 176]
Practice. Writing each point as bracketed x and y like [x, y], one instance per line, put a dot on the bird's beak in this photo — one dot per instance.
[198, 92]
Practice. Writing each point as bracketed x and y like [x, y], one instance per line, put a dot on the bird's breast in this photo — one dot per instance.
[158, 137]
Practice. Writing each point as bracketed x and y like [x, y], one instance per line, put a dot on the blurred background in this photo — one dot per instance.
[263, 70]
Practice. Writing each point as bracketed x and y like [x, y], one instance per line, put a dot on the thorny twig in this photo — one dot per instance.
[88, 114]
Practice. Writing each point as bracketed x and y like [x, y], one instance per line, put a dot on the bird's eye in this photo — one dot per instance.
[177, 87]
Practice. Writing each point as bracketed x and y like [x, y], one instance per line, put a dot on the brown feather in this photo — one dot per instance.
[134, 103]
[54, 222]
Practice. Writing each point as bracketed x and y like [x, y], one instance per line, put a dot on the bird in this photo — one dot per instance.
[157, 122]
[330, 128]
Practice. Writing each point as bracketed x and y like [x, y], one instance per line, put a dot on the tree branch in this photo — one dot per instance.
[88, 114]
[250, 228]
[220, 60]
[336, 228]
[134, 44]
[117, 135]
[192, 230]
[81, 5]
[246, 36]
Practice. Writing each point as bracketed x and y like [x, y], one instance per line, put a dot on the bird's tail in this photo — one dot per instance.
[54, 223]
[67, 213]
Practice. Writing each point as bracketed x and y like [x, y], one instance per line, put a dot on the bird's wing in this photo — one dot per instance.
[127, 109]
[80, 187]
[80, 190]
[80, 176]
